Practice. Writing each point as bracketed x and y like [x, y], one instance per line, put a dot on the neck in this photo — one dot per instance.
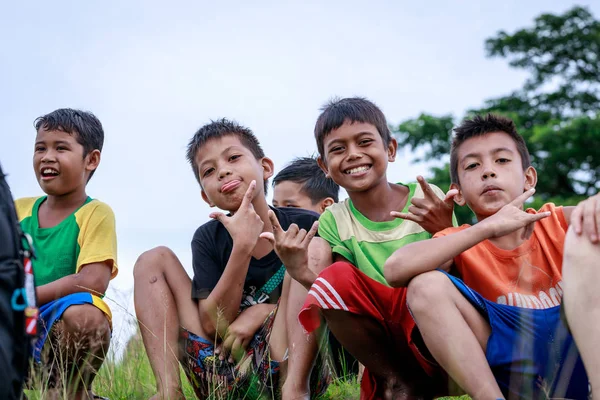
[510, 241]
[377, 202]
[69, 200]
[262, 209]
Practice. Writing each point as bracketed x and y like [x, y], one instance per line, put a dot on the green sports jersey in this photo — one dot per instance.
[86, 236]
[368, 244]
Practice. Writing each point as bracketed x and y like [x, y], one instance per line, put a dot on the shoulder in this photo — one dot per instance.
[289, 215]
[95, 209]
[451, 230]
[24, 206]
[557, 216]
[208, 230]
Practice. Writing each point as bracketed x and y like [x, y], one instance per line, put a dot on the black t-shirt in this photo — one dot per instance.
[211, 249]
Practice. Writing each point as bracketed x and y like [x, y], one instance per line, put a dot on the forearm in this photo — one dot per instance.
[254, 316]
[224, 300]
[427, 255]
[75, 283]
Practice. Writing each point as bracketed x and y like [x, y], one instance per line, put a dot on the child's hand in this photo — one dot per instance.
[245, 225]
[585, 218]
[292, 245]
[431, 212]
[511, 217]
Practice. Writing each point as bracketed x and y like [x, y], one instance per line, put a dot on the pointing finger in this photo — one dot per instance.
[312, 232]
[520, 200]
[449, 198]
[427, 191]
[247, 200]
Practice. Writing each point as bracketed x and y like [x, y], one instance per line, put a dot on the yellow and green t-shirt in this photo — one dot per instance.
[86, 236]
[368, 244]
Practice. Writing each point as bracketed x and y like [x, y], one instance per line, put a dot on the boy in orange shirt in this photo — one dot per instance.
[498, 330]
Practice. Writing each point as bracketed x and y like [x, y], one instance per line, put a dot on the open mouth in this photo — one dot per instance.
[49, 173]
[230, 186]
[357, 170]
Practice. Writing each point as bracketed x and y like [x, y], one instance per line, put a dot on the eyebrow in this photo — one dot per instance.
[57, 142]
[228, 149]
[353, 137]
[497, 150]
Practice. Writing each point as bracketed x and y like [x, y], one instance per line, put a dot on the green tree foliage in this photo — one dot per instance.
[557, 110]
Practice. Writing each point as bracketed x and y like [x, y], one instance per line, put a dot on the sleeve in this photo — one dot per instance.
[440, 193]
[24, 207]
[555, 220]
[328, 231]
[207, 268]
[97, 236]
[451, 230]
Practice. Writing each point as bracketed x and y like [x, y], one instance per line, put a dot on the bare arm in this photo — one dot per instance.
[92, 278]
[427, 255]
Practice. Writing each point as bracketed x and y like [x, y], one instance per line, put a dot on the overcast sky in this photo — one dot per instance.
[155, 72]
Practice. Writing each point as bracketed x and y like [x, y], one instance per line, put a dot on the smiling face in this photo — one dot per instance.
[59, 164]
[491, 174]
[355, 156]
[225, 168]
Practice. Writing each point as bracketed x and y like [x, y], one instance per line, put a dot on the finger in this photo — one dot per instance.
[538, 216]
[419, 212]
[269, 236]
[293, 230]
[301, 235]
[247, 200]
[226, 347]
[311, 233]
[520, 200]
[419, 202]
[449, 198]
[427, 190]
[596, 237]
[589, 219]
[219, 216]
[576, 219]
[277, 230]
[407, 216]
[237, 351]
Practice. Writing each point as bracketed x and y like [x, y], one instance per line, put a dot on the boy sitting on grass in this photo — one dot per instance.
[76, 252]
[498, 329]
[369, 318]
[303, 184]
[229, 326]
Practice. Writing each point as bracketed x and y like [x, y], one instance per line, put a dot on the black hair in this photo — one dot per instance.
[351, 109]
[217, 129]
[481, 125]
[83, 125]
[306, 171]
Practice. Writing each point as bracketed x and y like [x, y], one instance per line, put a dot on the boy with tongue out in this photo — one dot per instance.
[228, 326]
[76, 252]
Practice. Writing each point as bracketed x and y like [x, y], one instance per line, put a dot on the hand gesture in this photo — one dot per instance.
[431, 212]
[585, 218]
[245, 225]
[292, 245]
[511, 217]
[236, 340]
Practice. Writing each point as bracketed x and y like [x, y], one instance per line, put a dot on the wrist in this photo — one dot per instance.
[483, 229]
[241, 248]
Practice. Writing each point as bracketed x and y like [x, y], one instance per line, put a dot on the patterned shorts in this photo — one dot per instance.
[255, 376]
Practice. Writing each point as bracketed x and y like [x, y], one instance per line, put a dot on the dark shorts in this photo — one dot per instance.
[530, 351]
[256, 375]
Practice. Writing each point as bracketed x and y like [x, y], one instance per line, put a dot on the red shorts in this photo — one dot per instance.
[342, 286]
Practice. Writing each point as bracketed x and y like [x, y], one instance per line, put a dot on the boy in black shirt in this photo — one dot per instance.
[229, 332]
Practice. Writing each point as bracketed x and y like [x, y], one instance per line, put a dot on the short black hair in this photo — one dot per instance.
[480, 125]
[83, 125]
[306, 171]
[351, 109]
[218, 129]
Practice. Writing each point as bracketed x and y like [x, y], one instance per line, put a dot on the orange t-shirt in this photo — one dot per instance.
[528, 276]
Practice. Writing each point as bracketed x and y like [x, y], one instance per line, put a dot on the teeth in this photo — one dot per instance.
[49, 171]
[357, 169]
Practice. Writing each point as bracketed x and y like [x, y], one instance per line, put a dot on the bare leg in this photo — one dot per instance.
[581, 274]
[454, 332]
[162, 304]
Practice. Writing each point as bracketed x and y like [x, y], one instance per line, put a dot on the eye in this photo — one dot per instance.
[40, 148]
[471, 166]
[365, 142]
[61, 148]
[292, 206]
[336, 149]
[234, 157]
[207, 172]
[503, 160]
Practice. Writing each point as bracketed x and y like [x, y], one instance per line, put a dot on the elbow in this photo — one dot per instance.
[392, 271]
[91, 284]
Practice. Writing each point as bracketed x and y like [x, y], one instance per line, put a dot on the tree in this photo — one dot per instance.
[556, 111]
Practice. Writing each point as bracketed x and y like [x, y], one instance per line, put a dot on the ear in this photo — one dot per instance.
[530, 178]
[323, 165]
[459, 198]
[92, 160]
[206, 199]
[268, 167]
[324, 204]
[392, 148]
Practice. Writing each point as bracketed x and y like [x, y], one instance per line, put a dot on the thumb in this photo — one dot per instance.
[219, 216]
[269, 236]
[449, 198]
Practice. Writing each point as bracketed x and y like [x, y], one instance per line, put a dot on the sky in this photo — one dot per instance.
[154, 73]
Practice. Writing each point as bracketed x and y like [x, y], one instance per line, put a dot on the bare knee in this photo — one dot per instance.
[579, 250]
[427, 290]
[152, 261]
[86, 321]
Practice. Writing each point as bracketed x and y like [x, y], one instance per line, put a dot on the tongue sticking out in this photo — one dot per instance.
[229, 186]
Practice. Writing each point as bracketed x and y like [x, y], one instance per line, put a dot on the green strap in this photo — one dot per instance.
[271, 285]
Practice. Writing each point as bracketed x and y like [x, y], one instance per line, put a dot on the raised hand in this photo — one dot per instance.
[245, 225]
[585, 218]
[431, 212]
[292, 245]
[511, 217]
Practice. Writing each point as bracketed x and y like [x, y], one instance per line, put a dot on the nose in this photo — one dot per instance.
[223, 172]
[48, 156]
[488, 172]
[353, 153]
